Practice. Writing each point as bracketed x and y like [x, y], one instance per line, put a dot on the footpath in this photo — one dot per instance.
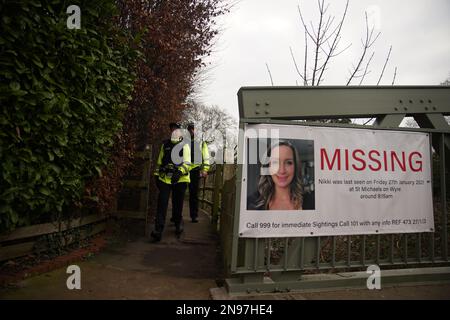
[130, 267]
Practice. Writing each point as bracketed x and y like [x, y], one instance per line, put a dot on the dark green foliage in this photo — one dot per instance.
[62, 98]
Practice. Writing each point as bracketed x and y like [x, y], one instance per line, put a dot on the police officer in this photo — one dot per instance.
[172, 175]
[199, 169]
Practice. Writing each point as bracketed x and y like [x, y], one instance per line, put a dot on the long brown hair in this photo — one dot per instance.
[266, 187]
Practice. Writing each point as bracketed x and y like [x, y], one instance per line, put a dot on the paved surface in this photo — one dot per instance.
[410, 293]
[130, 267]
[423, 292]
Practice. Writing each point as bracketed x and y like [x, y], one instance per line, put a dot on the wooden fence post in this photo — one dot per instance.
[203, 195]
[218, 182]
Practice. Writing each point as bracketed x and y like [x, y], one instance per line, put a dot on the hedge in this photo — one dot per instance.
[63, 93]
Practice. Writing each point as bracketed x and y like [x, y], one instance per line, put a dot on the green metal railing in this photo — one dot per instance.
[212, 190]
[354, 251]
[252, 261]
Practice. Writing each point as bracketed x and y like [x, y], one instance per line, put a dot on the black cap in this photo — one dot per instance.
[174, 125]
[190, 125]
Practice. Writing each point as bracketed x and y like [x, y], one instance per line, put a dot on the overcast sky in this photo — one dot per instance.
[257, 32]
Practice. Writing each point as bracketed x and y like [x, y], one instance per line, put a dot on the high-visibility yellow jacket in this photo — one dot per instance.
[196, 151]
[166, 163]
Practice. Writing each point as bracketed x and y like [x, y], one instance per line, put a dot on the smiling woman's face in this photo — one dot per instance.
[282, 166]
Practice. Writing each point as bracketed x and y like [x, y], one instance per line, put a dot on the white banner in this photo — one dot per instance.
[317, 181]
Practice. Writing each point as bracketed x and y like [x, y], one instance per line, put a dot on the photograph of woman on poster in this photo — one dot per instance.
[281, 187]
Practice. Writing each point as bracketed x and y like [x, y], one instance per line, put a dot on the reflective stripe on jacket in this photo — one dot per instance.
[203, 163]
[184, 166]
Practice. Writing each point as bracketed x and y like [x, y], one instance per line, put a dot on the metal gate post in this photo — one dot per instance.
[443, 197]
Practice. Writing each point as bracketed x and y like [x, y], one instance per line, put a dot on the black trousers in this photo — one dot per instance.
[178, 191]
[193, 192]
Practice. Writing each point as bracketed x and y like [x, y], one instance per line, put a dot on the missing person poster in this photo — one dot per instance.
[317, 181]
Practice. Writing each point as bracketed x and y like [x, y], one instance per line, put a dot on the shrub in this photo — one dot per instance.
[62, 95]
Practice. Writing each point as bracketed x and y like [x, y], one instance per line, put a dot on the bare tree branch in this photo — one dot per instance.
[327, 26]
[304, 24]
[335, 43]
[270, 74]
[367, 121]
[384, 67]
[371, 34]
[305, 81]
[318, 44]
[305, 75]
[320, 6]
[365, 69]
[395, 74]
[326, 35]
[211, 120]
[336, 54]
[367, 43]
[313, 31]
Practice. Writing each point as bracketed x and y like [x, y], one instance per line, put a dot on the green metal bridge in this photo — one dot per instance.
[283, 264]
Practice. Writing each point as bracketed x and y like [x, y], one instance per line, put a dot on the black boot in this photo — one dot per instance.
[156, 236]
[179, 229]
